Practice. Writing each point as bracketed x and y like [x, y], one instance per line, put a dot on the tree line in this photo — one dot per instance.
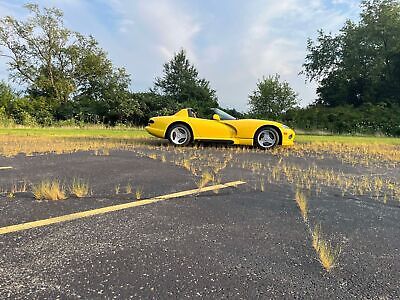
[67, 78]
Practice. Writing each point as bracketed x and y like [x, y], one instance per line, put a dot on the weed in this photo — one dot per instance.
[262, 185]
[153, 156]
[128, 188]
[49, 190]
[79, 188]
[302, 204]
[217, 180]
[139, 193]
[19, 188]
[186, 164]
[31, 143]
[328, 255]
[206, 177]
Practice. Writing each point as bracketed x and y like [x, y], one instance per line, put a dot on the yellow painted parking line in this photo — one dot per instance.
[5, 168]
[103, 210]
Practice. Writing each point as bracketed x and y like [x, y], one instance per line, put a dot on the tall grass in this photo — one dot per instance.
[302, 204]
[79, 188]
[328, 255]
[49, 190]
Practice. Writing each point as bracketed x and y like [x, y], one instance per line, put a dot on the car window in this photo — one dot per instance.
[223, 115]
[192, 113]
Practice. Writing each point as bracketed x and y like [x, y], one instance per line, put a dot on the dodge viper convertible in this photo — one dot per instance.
[185, 127]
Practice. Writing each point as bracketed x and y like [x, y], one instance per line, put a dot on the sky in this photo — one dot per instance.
[232, 43]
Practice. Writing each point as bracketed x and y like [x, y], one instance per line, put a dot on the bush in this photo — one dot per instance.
[366, 119]
[5, 121]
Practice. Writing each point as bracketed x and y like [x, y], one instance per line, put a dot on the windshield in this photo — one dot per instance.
[223, 115]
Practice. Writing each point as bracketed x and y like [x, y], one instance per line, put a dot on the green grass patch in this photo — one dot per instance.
[77, 132]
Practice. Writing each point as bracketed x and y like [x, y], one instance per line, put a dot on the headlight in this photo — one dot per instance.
[286, 127]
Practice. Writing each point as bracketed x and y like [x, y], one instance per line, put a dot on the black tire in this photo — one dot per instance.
[271, 138]
[173, 135]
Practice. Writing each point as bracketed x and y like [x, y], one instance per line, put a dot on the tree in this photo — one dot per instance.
[182, 84]
[272, 98]
[64, 71]
[36, 51]
[361, 64]
[152, 105]
[7, 95]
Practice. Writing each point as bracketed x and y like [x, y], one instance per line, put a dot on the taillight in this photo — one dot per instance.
[151, 122]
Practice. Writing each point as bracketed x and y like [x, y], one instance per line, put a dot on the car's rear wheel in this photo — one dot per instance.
[179, 135]
[266, 138]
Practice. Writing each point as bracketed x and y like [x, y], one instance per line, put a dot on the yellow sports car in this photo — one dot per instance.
[184, 127]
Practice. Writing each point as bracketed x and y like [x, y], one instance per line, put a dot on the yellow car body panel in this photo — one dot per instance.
[240, 132]
[204, 129]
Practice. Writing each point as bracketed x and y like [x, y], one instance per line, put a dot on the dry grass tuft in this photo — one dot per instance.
[102, 152]
[328, 255]
[153, 156]
[139, 193]
[206, 177]
[262, 185]
[302, 203]
[49, 190]
[217, 180]
[186, 164]
[79, 188]
[128, 188]
[117, 189]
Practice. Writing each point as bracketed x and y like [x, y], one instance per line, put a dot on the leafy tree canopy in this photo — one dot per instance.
[60, 68]
[272, 98]
[181, 83]
[361, 64]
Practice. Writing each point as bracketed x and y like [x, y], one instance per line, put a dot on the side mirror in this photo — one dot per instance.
[216, 117]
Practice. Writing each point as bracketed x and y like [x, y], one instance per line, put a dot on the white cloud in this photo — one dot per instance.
[232, 43]
[275, 40]
[166, 23]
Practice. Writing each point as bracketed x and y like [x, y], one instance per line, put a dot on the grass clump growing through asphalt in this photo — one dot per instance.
[328, 255]
[128, 188]
[206, 177]
[79, 188]
[262, 185]
[49, 190]
[139, 193]
[302, 204]
[117, 189]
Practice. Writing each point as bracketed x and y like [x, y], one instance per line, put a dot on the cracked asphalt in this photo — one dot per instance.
[240, 243]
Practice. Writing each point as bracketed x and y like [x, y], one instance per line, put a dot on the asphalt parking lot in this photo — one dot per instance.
[240, 242]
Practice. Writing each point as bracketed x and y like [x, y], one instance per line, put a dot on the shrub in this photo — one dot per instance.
[366, 119]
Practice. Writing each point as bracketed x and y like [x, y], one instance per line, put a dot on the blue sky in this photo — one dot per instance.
[232, 43]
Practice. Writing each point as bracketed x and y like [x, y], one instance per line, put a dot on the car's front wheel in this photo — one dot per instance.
[266, 138]
[179, 135]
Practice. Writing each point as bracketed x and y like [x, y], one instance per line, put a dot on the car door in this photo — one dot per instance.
[204, 129]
